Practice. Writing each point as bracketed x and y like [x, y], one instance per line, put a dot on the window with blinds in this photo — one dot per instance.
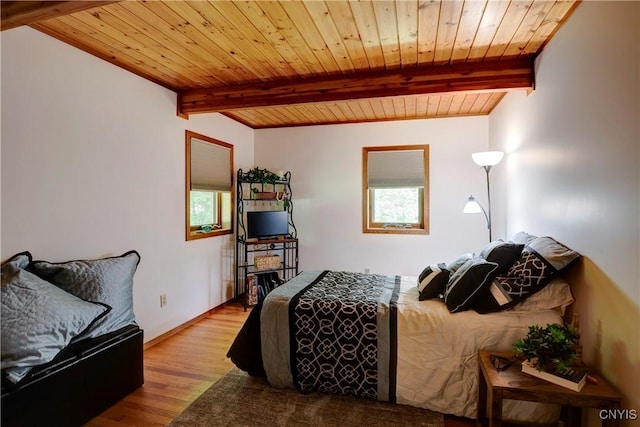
[209, 166]
[209, 169]
[395, 189]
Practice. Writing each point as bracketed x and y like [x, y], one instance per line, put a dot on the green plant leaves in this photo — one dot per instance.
[264, 176]
[549, 348]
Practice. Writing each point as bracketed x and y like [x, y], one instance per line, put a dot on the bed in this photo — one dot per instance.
[380, 337]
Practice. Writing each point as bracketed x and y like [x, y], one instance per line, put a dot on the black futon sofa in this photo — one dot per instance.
[71, 347]
[83, 380]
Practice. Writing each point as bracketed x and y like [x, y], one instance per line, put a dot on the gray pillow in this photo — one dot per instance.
[106, 280]
[555, 253]
[454, 265]
[523, 237]
[38, 318]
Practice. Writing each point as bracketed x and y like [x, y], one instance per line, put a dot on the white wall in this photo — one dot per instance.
[572, 172]
[93, 165]
[326, 167]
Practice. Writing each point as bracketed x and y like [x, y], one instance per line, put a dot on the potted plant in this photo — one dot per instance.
[550, 354]
[551, 349]
[262, 176]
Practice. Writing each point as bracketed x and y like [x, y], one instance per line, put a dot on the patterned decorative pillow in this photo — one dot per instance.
[106, 280]
[38, 318]
[432, 282]
[469, 283]
[540, 262]
[502, 253]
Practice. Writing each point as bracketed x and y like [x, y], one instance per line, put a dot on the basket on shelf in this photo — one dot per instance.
[266, 262]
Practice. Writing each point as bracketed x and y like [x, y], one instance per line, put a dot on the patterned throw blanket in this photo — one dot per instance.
[342, 330]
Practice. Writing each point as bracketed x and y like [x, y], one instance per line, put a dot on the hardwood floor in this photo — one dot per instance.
[180, 368]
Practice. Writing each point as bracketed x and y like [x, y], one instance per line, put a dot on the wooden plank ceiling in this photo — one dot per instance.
[292, 63]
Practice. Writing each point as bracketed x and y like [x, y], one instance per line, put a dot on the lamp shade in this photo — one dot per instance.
[472, 206]
[487, 158]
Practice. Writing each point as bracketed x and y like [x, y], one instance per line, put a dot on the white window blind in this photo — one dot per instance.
[395, 169]
[210, 166]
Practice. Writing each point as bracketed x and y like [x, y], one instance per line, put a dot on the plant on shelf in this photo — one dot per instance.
[552, 348]
[263, 176]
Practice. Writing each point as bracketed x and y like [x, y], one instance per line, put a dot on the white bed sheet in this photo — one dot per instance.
[437, 354]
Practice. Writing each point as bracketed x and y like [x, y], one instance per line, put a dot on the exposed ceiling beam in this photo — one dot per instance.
[479, 76]
[17, 13]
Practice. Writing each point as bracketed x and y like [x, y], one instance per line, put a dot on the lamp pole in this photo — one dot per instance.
[487, 168]
[487, 159]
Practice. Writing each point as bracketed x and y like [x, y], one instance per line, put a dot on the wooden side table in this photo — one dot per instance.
[495, 386]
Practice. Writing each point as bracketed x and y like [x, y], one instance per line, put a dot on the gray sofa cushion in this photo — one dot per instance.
[38, 318]
[106, 280]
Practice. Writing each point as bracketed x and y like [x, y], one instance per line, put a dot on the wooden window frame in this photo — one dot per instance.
[194, 233]
[368, 226]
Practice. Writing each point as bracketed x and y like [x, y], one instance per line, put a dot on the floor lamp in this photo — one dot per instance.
[485, 159]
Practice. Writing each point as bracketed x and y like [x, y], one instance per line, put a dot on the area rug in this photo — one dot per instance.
[240, 400]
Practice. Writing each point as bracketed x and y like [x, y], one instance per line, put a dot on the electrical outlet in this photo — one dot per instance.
[163, 300]
[367, 270]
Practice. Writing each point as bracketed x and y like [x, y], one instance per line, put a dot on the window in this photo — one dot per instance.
[204, 208]
[209, 166]
[395, 189]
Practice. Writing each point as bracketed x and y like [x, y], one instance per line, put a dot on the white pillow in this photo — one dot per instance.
[556, 295]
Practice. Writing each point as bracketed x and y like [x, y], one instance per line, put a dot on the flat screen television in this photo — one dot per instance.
[267, 224]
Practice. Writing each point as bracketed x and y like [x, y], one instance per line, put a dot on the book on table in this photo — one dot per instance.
[573, 378]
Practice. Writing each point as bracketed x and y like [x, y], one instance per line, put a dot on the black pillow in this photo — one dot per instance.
[433, 281]
[502, 253]
[469, 283]
[539, 262]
